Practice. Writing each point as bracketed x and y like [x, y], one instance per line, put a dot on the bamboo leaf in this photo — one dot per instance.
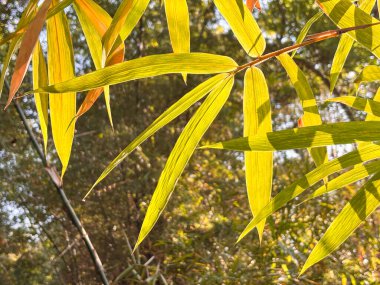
[126, 18]
[344, 48]
[311, 115]
[243, 25]
[177, 15]
[40, 77]
[345, 14]
[306, 29]
[367, 105]
[369, 73]
[356, 211]
[305, 137]
[359, 172]
[367, 153]
[154, 65]
[257, 120]
[61, 68]
[26, 49]
[181, 153]
[251, 4]
[165, 118]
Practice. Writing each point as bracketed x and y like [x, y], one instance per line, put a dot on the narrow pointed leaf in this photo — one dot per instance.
[154, 65]
[345, 14]
[344, 48]
[257, 120]
[28, 42]
[369, 73]
[61, 68]
[251, 4]
[306, 29]
[165, 118]
[367, 153]
[359, 172]
[177, 15]
[182, 151]
[243, 25]
[305, 137]
[311, 116]
[40, 77]
[367, 105]
[126, 18]
[356, 211]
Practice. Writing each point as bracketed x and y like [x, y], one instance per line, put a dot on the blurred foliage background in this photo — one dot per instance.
[194, 240]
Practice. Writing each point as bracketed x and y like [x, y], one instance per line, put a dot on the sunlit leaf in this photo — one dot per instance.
[344, 48]
[61, 68]
[356, 211]
[315, 136]
[165, 118]
[154, 65]
[125, 19]
[306, 29]
[257, 120]
[182, 151]
[40, 77]
[345, 14]
[367, 105]
[177, 15]
[251, 4]
[369, 73]
[28, 42]
[28, 14]
[359, 172]
[311, 115]
[243, 25]
[367, 153]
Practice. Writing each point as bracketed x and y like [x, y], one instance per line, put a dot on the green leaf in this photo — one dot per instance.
[40, 77]
[311, 115]
[177, 15]
[154, 65]
[345, 15]
[369, 73]
[165, 118]
[315, 136]
[359, 172]
[61, 68]
[257, 120]
[344, 48]
[243, 25]
[367, 153]
[306, 29]
[125, 19]
[367, 105]
[182, 151]
[356, 211]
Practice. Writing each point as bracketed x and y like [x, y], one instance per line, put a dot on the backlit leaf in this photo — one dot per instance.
[251, 4]
[344, 48]
[306, 29]
[165, 118]
[40, 77]
[257, 120]
[367, 105]
[356, 211]
[369, 73]
[311, 115]
[243, 25]
[182, 151]
[345, 14]
[61, 68]
[177, 15]
[367, 153]
[154, 65]
[323, 135]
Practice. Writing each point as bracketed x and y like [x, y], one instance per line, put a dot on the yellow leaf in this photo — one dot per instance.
[257, 120]
[243, 25]
[40, 77]
[61, 68]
